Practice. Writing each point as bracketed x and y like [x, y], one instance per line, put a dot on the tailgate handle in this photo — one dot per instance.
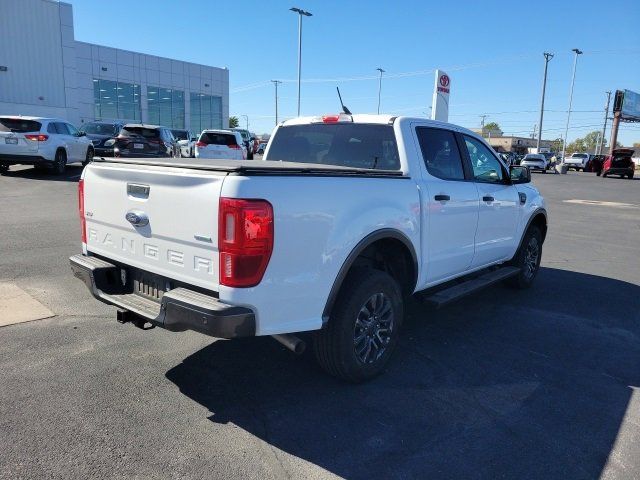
[138, 190]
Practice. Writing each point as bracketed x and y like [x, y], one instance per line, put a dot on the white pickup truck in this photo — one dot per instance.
[346, 217]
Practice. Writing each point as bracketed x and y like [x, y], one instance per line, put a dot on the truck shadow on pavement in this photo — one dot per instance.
[509, 384]
[72, 174]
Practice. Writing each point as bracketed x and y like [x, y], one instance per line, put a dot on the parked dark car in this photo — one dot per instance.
[140, 140]
[620, 163]
[595, 164]
[101, 132]
[248, 140]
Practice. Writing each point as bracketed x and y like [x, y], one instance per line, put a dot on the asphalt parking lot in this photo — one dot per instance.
[542, 384]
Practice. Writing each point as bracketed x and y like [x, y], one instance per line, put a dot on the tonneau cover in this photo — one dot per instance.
[253, 167]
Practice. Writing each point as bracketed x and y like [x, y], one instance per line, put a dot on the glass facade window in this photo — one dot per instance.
[165, 107]
[206, 111]
[116, 100]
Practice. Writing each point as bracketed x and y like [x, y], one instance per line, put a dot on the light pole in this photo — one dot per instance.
[604, 128]
[573, 79]
[276, 83]
[300, 13]
[547, 57]
[379, 86]
[247, 119]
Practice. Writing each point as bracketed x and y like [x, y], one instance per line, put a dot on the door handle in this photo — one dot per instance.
[488, 198]
[442, 198]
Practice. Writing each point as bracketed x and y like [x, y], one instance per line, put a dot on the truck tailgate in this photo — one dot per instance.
[159, 219]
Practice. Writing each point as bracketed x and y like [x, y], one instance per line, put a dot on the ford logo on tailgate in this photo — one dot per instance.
[137, 218]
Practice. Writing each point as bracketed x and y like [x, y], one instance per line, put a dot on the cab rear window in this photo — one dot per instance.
[218, 139]
[19, 125]
[343, 144]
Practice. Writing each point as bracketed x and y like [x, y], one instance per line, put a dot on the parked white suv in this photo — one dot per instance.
[535, 161]
[186, 142]
[578, 161]
[222, 144]
[41, 142]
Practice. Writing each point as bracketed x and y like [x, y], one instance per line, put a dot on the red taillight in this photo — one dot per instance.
[245, 240]
[37, 138]
[83, 221]
[330, 118]
[201, 144]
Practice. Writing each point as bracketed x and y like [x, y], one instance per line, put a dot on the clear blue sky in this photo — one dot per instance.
[491, 50]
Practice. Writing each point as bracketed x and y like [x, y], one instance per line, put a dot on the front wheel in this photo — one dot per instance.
[88, 157]
[363, 328]
[631, 176]
[527, 259]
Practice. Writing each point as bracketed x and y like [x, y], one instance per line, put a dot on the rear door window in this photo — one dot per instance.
[18, 125]
[211, 138]
[344, 144]
[62, 128]
[440, 153]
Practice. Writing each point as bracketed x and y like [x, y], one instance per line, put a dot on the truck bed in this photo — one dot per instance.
[255, 167]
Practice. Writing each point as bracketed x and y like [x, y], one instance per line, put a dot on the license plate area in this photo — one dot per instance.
[11, 141]
[138, 146]
[150, 285]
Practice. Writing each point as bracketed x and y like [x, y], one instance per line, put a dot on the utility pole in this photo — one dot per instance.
[573, 79]
[482, 124]
[614, 131]
[276, 83]
[247, 119]
[379, 86]
[300, 13]
[604, 127]
[547, 58]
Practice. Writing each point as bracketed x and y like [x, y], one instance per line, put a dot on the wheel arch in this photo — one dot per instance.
[386, 236]
[539, 219]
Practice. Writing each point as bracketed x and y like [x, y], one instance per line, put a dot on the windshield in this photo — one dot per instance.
[579, 155]
[343, 144]
[100, 129]
[180, 134]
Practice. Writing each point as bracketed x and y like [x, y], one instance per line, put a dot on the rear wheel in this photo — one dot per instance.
[60, 162]
[4, 168]
[363, 328]
[631, 176]
[527, 259]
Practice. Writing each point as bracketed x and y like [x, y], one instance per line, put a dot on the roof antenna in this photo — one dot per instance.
[344, 109]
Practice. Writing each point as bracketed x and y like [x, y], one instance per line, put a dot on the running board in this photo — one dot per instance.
[448, 295]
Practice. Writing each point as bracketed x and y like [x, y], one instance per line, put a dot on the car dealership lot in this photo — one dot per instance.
[542, 383]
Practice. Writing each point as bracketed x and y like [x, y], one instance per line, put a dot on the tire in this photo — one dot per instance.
[337, 348]
[4, 168]
[525, 259]
[631, 176]
[604, 175]
[60, 162]
[88, 157]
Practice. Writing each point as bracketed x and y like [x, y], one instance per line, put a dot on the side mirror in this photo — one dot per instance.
[519, 174]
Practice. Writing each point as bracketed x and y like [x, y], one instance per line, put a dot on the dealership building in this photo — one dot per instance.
[45, 71]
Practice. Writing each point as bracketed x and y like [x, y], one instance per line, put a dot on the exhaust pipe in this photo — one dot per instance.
[293, 343]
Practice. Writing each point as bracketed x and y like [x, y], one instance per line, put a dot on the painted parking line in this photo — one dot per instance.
[17, 306]
[602, 204]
